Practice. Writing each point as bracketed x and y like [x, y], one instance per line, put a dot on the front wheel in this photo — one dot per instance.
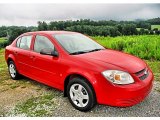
[81, 94]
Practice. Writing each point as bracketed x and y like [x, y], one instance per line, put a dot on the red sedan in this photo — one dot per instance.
[85, 71]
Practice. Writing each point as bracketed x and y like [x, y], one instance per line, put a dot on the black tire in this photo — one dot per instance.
[16, 75]
[91, 94]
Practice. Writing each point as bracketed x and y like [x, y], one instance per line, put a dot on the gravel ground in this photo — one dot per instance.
[149, 107]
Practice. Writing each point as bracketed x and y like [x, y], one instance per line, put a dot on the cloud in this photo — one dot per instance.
[29, 14]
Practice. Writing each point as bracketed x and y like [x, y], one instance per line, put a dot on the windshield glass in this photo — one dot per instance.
[77, 43]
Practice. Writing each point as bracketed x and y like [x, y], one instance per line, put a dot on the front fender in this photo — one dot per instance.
[90, 76]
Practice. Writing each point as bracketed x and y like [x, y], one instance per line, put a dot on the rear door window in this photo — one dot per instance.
[18, 42]
[25, 42]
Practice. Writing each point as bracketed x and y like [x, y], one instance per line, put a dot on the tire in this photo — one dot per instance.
[80, 94]
[13, 71]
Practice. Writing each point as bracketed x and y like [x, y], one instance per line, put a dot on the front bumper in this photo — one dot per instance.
[124, 95]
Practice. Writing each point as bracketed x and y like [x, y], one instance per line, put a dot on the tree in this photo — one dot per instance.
[42, 26]
[154, 21]
[144, 24]
[15, 31]
[142, 31]
[3, 31]
[151, 32]
[129, 29]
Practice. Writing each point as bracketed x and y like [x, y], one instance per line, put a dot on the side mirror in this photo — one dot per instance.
[54, 53]
[49, 52]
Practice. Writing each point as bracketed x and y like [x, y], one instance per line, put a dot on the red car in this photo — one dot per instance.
[85, 71]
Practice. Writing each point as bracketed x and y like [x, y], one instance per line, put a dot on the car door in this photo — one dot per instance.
[22, 53]
[45, 67]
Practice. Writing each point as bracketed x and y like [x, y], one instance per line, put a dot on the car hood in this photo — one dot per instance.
[122, 60]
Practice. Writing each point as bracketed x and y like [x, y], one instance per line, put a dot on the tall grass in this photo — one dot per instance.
[144, 46]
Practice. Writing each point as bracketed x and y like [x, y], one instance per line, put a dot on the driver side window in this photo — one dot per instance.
[42, 42]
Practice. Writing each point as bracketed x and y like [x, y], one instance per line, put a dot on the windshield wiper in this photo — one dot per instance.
[81, 52]
[78, 52]
[95, 50]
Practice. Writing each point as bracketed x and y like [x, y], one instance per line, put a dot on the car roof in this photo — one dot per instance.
[50, 32]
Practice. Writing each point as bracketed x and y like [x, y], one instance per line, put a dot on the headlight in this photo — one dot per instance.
[118, 77]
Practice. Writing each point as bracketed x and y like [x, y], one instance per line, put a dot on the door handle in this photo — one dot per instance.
[32, 57]
[15, 52]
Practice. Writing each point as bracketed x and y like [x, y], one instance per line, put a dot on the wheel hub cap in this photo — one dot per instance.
[12, 70]
[79, 95]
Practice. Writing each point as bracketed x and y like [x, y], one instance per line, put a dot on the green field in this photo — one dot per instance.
[144, 46]
[155, 26]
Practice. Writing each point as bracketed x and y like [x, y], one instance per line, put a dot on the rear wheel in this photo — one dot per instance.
[81, 94]
[13, 71]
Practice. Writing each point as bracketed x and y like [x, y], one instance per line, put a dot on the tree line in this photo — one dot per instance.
[103, 28]
[86, 26]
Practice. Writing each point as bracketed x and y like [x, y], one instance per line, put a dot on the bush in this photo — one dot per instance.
[3, 44]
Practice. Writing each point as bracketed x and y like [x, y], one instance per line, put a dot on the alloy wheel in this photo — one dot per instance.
[79, 95]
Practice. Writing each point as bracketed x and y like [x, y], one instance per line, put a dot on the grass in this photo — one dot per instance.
[3, 67]
[13, 86]
[155, 26]
[155, 66]
[36, 106]
[144, 46]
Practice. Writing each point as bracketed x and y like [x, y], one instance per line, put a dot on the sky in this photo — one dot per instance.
[29, 14]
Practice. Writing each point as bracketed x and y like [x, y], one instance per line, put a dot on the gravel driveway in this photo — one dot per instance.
[149, 107]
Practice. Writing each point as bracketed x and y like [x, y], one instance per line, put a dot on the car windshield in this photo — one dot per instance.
[77, 43]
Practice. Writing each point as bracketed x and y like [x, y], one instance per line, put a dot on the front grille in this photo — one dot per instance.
[142, 74]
